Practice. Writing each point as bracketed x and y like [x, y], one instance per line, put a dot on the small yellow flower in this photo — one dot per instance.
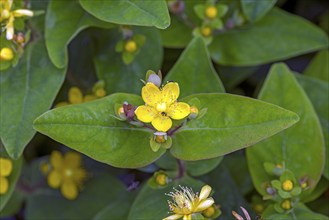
[66, 174]
[6, 54]
[287, 185]
[130, 46]
[211, 12]
[286, 204]
[161, 105]
[186, 202]
[9, 15]
[6, 167]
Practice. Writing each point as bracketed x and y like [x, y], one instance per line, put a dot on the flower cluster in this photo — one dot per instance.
[6, 168]
[75, 95]
[66, 173]
[186, 203]
[286, 190]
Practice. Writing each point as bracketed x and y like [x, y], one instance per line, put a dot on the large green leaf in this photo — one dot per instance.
[93, 129]
[319, 66]
[279, 35]
[318, 93]
[48, 203]
[177, 35]
[12, 178]
[299, 148]
[130, 12]
[231, 123]
[255, 10]
[300, 212]
[152, 203]
[194, 71]
[64, 20]
[26, 91]
[118, 76]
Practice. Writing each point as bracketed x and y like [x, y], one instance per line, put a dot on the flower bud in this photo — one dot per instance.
[121, 113]
[6, 54]
[161, 178]
[160, 137]
[211, 12]
[206, 31]
[209, 212]
[194, 111]
[287, 185]
[130, 46]
[155, 79]
[286, 204]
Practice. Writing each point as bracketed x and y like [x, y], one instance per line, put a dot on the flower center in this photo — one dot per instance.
[161, 107]
[68, 172]
[287, 185]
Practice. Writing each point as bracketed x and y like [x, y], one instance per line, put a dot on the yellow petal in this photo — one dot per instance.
[88, 98]
[187, 217]
[79, 175]
[54, 179]
[173, 217]
[151, 94]
[72, 159]
[75, 95]
[56, 159]
[162, 123]
[23, 12]
[179, 110]
[205, 192]
[170, 93]
[69, 190]
[4, 185]
[6, 166]
[9, 4]
[145, 113]
[60, 104]
[204, 205]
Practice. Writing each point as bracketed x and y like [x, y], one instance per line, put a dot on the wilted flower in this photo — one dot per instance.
[67, 173]
[186, 202]
[6, 167]
[161, 106]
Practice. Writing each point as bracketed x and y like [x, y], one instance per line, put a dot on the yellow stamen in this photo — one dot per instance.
[287, 185]
[161, 179]
[161, 107]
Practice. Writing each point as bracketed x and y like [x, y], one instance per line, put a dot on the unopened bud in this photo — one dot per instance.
[211, 12]
[194, 111]
[130, 46]
[161, 178]
[206, 31]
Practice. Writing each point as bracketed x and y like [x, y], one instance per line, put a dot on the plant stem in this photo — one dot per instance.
[181, 169]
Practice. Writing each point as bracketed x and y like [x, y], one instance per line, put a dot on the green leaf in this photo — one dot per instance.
[193, 168]
[279, 35]
[13, 206]
[130, 12]
[118, 76]
[194, 71]
[299, 148]
[26, 91]
[177, 35]
[318, 93]
[254, 10]
[229, 124]
[300, 212]
[50, 204]
[93, 129]
[319, 66]
[12, 178]
[64, 20]
[152, 203]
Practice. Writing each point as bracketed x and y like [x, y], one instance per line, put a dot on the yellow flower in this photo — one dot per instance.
[6, 54]
[130, 46]
[211, 12]
[186, 202]
[66, 174]
[6, 167]
[9, 16]
[161, 105]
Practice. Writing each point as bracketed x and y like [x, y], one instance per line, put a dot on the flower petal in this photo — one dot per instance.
[23, 12]
[205, 192]
[151, 94]
[6, 166]
[56, 159]
[54, 179]
[187, 217]
[170, 93]
[162, 123]
[72, 159]
[69, 190]
[10, 28]
[4, 185]
[179, 110]
[75, 95]
[146, 113]
[173, 217]
[204, 205]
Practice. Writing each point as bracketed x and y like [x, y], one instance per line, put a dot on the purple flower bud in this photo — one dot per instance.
[155, 79]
